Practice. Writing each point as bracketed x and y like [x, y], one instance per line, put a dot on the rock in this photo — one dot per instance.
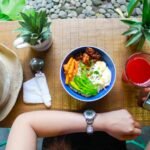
[73, 2]
[55, 7]
[123, 8]
[82, 1]
[138, 11]
[96, 2]
[67, 5]
[110, 11]
[49, 6]
[113, 1]
[56, 1]
[116, 5]
[48, 1]
[102, 11]
[57, 11]
[81, 16]
[107, 15]
[52, 10]
[88, 2]
[72, 14]
[89, 8]
[78, 4]
[79, 10]
[62, 14]
[103, 6]
[84, 5]
[100, 15]
[122, 2]
[54, 16]
[109, 6]
[114, 15]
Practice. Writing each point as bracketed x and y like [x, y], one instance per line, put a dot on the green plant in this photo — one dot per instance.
[139, 31]
[10, 9]
[35, 27]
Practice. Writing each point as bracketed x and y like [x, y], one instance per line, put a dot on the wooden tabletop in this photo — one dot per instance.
[67, 35]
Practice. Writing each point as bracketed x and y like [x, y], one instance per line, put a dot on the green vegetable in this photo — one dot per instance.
[74, 86]
[83, 85]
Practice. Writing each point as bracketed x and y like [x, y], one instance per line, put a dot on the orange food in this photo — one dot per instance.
[71, 69]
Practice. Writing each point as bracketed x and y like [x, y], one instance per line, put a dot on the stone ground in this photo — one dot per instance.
[83, 8]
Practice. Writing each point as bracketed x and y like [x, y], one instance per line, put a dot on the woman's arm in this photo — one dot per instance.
[27, 127]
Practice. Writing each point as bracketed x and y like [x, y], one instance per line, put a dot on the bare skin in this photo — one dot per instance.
[27, 127]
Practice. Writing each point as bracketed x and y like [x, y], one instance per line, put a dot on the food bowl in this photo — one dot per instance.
[103, 92]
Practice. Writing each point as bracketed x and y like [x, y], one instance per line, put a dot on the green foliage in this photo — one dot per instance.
[132, 4]
[35, 27]
[138, 31]
[10, 9]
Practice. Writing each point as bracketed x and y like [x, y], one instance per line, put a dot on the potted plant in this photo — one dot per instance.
[138, 31]
[34, 31]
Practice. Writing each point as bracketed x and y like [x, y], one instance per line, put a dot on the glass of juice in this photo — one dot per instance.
[137, 70]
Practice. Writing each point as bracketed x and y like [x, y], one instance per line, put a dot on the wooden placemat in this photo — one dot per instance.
[67, 35]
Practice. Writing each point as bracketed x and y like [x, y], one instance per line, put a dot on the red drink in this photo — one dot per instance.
[137, 70]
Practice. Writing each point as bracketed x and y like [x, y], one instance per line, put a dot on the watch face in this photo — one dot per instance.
[89, 114]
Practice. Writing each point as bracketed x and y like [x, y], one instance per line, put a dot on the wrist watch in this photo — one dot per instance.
[146, 103]
[89, 116]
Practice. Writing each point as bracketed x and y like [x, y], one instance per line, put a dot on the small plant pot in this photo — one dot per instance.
[44, 46]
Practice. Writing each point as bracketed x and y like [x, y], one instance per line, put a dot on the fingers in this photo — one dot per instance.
[136, 131]
[137, 124]
[146, 89]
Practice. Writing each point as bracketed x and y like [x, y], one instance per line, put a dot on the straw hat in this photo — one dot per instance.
[11, 78]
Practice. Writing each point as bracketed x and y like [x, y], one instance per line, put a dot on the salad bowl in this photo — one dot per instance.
[103, 92]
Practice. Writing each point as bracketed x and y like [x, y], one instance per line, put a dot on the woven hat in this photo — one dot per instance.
[11, 78]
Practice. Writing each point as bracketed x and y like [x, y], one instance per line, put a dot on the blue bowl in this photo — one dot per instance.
[103, 92]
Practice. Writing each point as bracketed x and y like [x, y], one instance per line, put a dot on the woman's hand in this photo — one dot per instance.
[119, 124]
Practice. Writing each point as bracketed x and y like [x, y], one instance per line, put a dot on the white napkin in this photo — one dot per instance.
[36, 90]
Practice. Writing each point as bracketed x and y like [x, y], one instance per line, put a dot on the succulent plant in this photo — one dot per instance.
[139, 31]
[35, 27]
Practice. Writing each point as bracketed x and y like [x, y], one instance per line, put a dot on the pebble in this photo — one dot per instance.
[84, 5]
[96, 2]
[102, 11]
[81, 16]
[62, 14]
[88, 2]
[72, 14]
[56, 1]
[123, 8]
[122, 2]
[83, 8]
[138, 11]
[54, 16]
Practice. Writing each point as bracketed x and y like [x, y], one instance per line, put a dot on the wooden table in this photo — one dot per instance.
[67, 35]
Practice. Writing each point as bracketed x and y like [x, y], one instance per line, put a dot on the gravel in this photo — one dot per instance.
[82, 8]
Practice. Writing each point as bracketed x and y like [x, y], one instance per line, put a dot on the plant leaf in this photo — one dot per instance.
[130, 22]
[146, 13]
[134, 39]
[147, 34]
[141, 43]
[4, 17]
[12, 8]
[131, 31]
[132, 4]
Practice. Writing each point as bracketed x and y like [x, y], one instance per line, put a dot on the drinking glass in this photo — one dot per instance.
[137, 70]
[137, 73]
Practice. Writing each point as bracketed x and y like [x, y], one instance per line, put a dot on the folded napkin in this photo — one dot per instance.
[36, 90]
